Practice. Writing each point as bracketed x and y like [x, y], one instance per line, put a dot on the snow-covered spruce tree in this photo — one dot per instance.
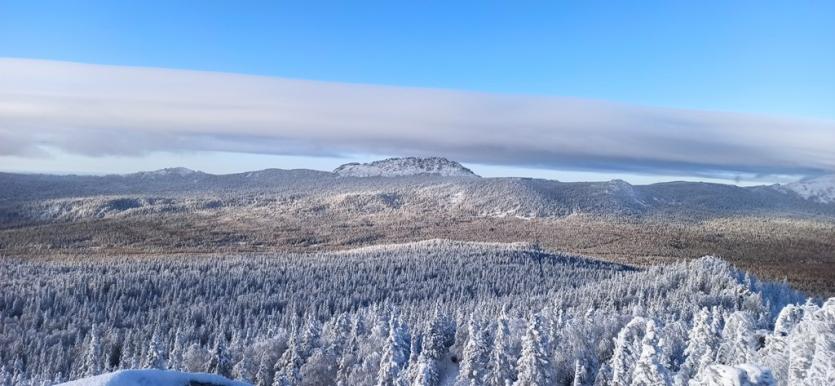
[5, 377]
[155, 357]
[264, 375]
[775, 354]
[738, 342]
[603, 376]
[310, 337]
[627, 351]
[434, 350]
[18, 372]
[580, 374]
[126, 358]
[802, 345]
[649, 370]
[534, 365]
[220, 362]
[822, 370]
[787, 319]
[502, 372]
[93, 359]
[195, 358]
[289, 364]
[673, 341]
[415, 348]
[395, 352]
[475, 360]
[175, 356]
[701, 347]
[246, 368]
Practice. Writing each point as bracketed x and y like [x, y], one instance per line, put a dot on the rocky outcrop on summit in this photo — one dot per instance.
[407, 166]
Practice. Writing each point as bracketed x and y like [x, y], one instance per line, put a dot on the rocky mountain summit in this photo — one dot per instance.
[406, 166]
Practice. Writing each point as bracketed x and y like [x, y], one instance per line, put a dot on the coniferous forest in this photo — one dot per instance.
[426, 313]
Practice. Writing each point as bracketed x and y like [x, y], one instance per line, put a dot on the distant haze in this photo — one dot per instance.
[49, 107]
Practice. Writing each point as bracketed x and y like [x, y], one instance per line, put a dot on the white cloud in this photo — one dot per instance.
[109, 110]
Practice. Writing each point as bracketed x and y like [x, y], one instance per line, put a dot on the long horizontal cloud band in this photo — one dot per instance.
[111, 110]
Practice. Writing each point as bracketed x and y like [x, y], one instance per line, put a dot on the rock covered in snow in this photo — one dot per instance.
[407, 166]
[148, 377]
[742, 375]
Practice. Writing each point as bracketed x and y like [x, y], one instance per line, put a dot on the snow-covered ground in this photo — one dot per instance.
[148, 377]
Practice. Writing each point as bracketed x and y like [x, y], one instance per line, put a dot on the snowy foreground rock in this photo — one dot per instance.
[742, 375]
[149, 377]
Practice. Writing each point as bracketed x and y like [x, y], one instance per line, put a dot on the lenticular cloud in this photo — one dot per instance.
[111, 110]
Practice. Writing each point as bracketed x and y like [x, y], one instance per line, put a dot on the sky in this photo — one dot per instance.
[739, 92]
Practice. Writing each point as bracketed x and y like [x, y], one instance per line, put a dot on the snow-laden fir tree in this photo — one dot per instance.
[175, 356]
[311, 334]
[127, 354]
[220, 362]
[802, 345]
[246, 367]
[93, 359]
[534, 365]
[738, 342]
[787, 319]
[5, 377]
[264, 375]
[434, 349]
[580, 374]
[288, 366]
[475, 360]
[649, 370]
[155, 357]
[701, 348]
[821, 369]
[395, 352]
[502, 364]
[627, 351]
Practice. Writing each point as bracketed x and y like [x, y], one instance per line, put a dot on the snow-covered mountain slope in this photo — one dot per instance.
[407, 166]
[147, 377]
[819, 189]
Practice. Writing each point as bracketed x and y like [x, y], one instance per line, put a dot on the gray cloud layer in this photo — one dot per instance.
[109, 110]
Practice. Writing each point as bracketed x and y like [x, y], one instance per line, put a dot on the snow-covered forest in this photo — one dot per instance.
[426, 313]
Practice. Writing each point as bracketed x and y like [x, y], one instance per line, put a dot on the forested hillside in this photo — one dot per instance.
[426, 313]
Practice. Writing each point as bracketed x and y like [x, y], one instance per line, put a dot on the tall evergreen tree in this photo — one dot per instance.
[220, 361]
[649, 370]
[502, 372]
[738, 342]
[534, 366]
[395, 353]
[627, 351]
[155, 357]
[476, 356]
[93, 361]
[175, 356]
[700, 351]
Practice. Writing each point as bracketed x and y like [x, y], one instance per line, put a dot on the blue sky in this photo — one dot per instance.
[774, 58]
